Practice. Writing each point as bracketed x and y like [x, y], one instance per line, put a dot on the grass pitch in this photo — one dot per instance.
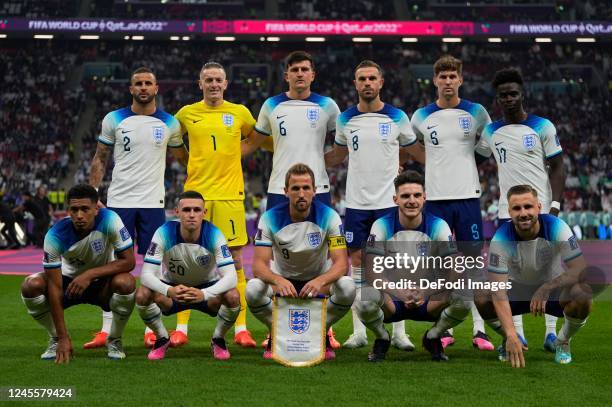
[190, 376]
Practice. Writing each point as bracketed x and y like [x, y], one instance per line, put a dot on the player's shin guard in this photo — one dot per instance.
[570, 326]
[226, 317]
[259, 300]
[342, 297]
[38, 308]
[241, 287]
[517, 320]
[478, 322]
[152, 317]
[456, 312]
[107, 321]
[121, 306]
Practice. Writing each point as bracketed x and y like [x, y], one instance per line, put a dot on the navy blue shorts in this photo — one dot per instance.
[464, 218]
[277, 199]
[142, 224]
[92, 294]
[520, 292]
[358, 223]
[198, 306]
[403, 313]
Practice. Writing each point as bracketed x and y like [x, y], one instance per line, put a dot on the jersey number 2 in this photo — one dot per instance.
[126, 143]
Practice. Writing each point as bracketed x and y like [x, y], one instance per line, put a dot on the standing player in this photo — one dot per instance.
[138, 136]
[524, 145]
[298, 121]
[87, 259]
[300, 234]
[410, 230]
[214, 128]
[448, 127]
[527, 253]
[198, 273]
[373, 134]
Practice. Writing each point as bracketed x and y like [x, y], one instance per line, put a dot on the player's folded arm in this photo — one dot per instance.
[339, 266]
[261, 263]
[149, 279]
[228, 280]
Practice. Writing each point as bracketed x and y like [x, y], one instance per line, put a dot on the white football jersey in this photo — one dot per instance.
[298, 129]
[521, 151]
[300, 248]
[449, 136]
[536, 261]
[63, 248]
[139, 143]
[190, 264]
[373, 141]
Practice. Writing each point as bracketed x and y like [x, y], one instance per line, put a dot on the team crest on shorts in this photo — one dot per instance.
[158, 134]
[312, 113]
[299, 320]
[203, 260]
[314, 239]
[384, 129]
[529, 141]
[228, 119]
[97, 246]
[465, 123]
[349, 237]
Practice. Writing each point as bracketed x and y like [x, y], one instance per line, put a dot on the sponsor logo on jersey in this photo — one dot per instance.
[225, 251]
[312, 113]
[494, 260]
[529, 141]
[465, 123]
[299, 320]
[228, 119]
[125, 235]
[384, 129]
[314, 239]
[97, 246]
[158, 134]
[349, 237]
[152, 249]
[203, 260]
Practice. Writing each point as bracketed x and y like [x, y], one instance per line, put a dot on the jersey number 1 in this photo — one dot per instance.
[214, 142]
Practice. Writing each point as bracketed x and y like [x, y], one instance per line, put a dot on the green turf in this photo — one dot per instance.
[189, 376]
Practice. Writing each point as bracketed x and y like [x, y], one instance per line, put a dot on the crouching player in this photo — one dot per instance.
[527, 253]
[87, 260]
[300, 234]
[411, 230]
[198, 273]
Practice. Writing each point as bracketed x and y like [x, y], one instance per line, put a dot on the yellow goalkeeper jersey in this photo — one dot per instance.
[214, 135]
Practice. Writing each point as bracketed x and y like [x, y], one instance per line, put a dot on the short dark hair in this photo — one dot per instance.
[212, 65]
[82, 191]
[507, 75]
[299, 169]
[143, 69]
[447, 63]
[190, 195]
[520, 190]
[409, 177]
[367, 63]
[298, 56]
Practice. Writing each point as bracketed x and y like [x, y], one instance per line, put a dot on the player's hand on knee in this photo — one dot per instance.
[77, 287]
[64, 350]
[284, 288]
[514, 350]
[311, 288]
[538, 301]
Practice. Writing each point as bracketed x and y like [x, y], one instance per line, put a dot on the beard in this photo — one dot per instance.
[144, 101]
